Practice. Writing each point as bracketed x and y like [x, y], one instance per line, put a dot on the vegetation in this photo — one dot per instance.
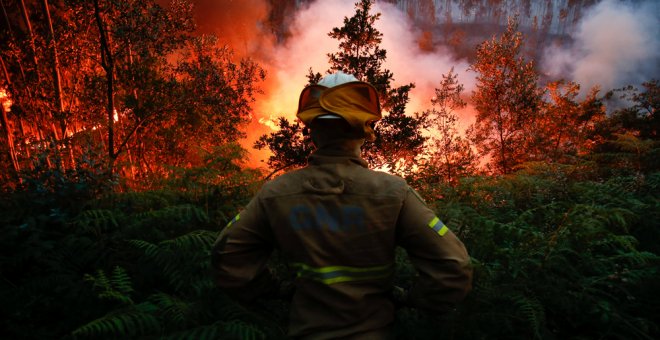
[559, 252]
[399, 137]
[131, 90]
[106, 223]
[452, 156]
[506, 99]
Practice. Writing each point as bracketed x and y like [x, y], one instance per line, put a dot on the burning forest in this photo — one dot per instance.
[132, 131]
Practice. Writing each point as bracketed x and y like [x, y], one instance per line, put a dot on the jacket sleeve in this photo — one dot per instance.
[240, 253]
[440, 258]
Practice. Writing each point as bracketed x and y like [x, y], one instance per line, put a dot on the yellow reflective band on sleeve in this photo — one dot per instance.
[438, 226]
[238, 216]
[336, 274]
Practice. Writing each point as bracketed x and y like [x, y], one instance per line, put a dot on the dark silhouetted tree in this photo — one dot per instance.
[628, 139]
[290, 147]
[451, 156]
[398, 136]
[117, 83]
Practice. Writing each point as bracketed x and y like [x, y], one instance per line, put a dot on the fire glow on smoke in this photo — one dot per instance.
[587, 59]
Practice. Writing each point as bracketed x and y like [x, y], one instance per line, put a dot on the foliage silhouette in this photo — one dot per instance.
[564, 246]
[399, 138]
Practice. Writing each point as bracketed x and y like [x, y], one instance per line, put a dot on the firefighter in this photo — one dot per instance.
[337, 224]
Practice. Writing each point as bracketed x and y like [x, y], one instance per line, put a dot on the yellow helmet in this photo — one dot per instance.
[344, 96]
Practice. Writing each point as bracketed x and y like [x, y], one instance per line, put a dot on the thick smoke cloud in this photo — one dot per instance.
[310, 44]
[238, 24]
[410, 63]
[616, 44]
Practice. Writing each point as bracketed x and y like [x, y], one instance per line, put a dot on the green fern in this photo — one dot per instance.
[150, 250]
[532, 310]
[97, 221]
[132, 321]
[221, 330]
[173, 309]
[117, 288]
[193, 241]
[134, 202]
[184, 261]
[179, 213]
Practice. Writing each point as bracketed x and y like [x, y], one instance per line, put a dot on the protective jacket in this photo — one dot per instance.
[337, 223]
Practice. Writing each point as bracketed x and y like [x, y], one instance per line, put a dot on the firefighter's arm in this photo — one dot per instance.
[240, 253]
[441, 260]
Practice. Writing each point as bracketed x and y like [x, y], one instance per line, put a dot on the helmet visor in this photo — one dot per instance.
[309, 98]
[356, 102]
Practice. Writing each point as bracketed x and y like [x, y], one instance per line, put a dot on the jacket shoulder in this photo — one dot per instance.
[285, 184]
[359, 180]
[381, 183]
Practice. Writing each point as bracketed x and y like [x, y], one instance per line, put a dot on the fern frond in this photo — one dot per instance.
[128, 322]
[193, 241]
[183, 260]
[241, 330]
[134, 202]
[532, 310]
[121, 281]
[202, 285]
[150, 250]
[201, 332]
[178, 213]
[100, 280]
[116, 288]
[174, 310]
[97, 221]
[221, 330]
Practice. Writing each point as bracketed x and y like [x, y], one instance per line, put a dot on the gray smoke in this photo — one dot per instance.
[617, 43]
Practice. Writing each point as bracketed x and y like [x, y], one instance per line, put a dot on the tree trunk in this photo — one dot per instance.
[11, 34]
[26, 19]
[500, 131]
[8, 134]
[42, 140]
[4, 13]
[4, 71]
[56, 70]
[25, 145]
[57, 84]
[108, 65]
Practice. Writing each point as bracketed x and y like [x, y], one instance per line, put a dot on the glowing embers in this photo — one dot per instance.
[5, 100]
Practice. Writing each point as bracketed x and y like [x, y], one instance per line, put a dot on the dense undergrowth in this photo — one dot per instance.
[559, 253]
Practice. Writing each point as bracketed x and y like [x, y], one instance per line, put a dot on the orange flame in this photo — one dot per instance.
[5, 100]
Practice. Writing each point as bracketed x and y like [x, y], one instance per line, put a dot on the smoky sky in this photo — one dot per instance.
[237, 23]
[616, 43]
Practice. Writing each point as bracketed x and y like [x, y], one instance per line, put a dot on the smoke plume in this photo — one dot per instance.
[616, 44]
[239, 24]
[309, 45]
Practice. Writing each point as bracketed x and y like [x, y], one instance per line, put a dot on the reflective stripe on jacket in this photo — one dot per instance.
[337, 223]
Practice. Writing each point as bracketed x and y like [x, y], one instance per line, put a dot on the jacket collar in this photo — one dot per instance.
[342, 152]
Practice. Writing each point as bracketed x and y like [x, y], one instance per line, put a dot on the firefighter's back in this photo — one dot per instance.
[335, 223]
